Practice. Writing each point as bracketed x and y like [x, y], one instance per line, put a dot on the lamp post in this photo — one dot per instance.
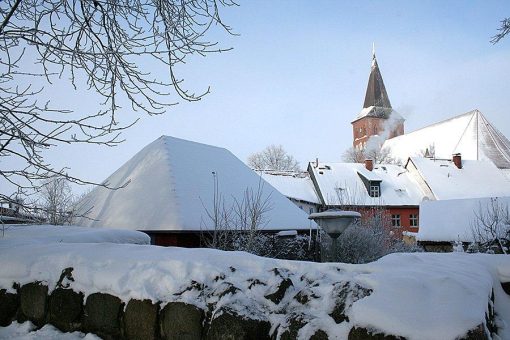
[334, 222]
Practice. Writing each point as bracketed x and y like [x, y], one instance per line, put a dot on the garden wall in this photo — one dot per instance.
[108, 317]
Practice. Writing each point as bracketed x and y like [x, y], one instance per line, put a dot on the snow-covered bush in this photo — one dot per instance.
[368, 240]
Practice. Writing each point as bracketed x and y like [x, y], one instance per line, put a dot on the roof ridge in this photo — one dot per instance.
[439, 123]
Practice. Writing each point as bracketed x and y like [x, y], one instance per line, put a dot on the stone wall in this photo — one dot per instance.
[110, 318]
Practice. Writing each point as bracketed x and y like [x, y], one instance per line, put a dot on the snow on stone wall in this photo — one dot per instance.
[416, 296]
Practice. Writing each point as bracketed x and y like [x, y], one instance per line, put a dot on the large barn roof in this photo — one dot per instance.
[171, 185]
[469, 134]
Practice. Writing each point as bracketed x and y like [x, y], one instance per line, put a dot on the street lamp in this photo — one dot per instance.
[334, 222]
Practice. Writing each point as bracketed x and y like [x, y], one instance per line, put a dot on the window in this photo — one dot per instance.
[413, 220]
[375, 191]
[395, 220]
[311, 210]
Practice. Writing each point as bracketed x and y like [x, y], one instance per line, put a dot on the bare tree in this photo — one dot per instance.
[237, 226]
[273, 157]
[378, 155]
[57, 201]
[429, 152]
[491, 227]
[250, 217]
[103, 46]
[504, 29]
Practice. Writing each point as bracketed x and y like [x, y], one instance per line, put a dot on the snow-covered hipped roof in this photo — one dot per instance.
[446, 181]
[341, 184]
[296, 185]
[469, 134]
[452, 220]
[172, 180]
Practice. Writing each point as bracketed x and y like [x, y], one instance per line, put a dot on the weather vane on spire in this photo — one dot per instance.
[373, 50]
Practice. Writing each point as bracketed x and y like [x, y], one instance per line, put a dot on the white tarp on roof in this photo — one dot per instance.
[475, 179]
[172, 180]
[341, 184]
[294, 185]
[452, 220]
[469, 134]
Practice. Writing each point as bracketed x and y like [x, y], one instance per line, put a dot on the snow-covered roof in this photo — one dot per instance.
[379, 112]
[469, 134]
[475, 179]
[172, 183]
[452, 220]
[296, 185]
[341, 184]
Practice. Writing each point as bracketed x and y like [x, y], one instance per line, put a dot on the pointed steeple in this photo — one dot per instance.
[376, 92]
[377, 118]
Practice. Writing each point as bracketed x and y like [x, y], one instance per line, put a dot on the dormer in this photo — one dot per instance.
[371, 182]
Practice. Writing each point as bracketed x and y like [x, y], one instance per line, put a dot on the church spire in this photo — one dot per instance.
[373, 53]
[376, 92]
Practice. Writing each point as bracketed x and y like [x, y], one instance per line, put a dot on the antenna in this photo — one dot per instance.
[373, 50]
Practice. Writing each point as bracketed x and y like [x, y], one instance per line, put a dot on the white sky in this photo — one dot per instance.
[298, 73]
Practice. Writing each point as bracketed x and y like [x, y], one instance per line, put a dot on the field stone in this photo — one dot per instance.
[181, 321]
[295, 324]
[9, 304]
[477, 333]
[347, 294]
[65, 309]
[140, 320]
[365, 334]
[506, 287]
[319, 335]
[230, 326]
[102, 315]
[278, 296]
[34, 301]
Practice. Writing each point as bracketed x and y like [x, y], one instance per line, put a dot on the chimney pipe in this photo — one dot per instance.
[369, 164]
[317, 162]
[457, 160]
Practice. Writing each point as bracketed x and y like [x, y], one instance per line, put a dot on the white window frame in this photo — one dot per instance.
[375, 191]
[413, 220]
[396, 220]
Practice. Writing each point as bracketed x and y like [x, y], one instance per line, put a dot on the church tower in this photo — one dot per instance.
[377, 118]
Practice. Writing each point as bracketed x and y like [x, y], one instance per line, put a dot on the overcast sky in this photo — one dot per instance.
[298, 72]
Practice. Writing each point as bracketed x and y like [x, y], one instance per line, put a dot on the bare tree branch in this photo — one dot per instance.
[124, 51]
[504, 29]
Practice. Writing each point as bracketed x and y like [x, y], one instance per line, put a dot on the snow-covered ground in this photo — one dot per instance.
[418, 296]
[27, 331]
[43, 234]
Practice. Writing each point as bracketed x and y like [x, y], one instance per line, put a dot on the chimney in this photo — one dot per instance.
[317, 162]
[457, 160]
[369, 164]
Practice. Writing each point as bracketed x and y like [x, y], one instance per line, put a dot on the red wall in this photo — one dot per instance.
[404, 212]
[371, 126]
[169, 239]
